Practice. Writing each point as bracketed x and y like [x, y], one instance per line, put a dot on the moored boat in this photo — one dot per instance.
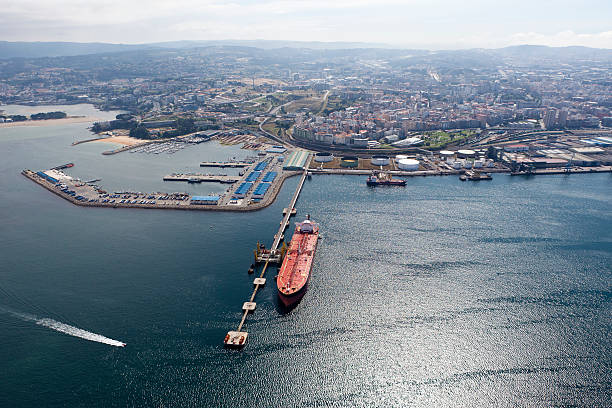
[294, 274]
[383, 179]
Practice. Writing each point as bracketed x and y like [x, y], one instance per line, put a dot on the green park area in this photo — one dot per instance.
[438, 139]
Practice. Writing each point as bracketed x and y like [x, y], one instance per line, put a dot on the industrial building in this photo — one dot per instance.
[261, 190]
[261, 166]
[253, 176]
[296, 161]
[205, 200]
[269, 177]
[242, 191]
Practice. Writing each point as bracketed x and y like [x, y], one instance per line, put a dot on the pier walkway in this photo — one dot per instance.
[238, 338]
[198, 178]
[225, 164]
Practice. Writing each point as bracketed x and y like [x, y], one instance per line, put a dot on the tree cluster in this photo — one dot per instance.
[48, 115]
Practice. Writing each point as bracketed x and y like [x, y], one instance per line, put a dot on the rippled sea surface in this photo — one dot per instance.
[442, 293]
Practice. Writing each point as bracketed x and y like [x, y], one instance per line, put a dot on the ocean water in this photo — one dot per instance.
[442, 293]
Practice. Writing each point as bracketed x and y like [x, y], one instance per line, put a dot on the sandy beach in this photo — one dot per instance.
[121, 140]
[50, 122]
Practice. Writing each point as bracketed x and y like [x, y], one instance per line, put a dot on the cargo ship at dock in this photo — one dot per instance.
[383, 179]
[294, 274]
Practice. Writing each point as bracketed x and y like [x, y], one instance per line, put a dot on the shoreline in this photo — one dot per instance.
[271, 198]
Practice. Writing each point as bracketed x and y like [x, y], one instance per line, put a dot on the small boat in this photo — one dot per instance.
[475, 176]
[383, 179]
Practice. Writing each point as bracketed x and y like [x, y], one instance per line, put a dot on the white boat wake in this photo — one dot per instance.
[67, 329]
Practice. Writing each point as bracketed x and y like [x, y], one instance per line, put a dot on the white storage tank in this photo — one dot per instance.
[457, 164]
[408, 164]
[380, 160]
[464, 154]
[490, 163]
[323, 157]
[467, 164]
[400, 157]
[446, 154]
[478, 164]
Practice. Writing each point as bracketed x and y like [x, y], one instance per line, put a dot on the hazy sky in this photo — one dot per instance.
[412, 23]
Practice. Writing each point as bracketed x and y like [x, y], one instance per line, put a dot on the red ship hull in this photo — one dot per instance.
[291, 300]
[293, 277]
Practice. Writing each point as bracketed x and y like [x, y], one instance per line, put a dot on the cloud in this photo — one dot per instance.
[434, 24]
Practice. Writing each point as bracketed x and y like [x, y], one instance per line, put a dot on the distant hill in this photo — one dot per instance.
[542, 51]
[271, 44]
[64, 49]
[531, 53]
[61, 49]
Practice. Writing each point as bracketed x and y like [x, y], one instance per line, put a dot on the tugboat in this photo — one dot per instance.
[383, 179]
[475, 175]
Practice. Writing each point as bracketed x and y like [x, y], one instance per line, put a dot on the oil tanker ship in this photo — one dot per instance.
[292, 280]
[383, 179]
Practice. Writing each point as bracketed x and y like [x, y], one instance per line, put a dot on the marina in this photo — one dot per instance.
[168, 147]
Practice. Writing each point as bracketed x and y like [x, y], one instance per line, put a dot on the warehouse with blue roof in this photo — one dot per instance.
[242, 191]
[261, 166]
[205, 200]
[269, 177]
[261, 190]
[253, 176]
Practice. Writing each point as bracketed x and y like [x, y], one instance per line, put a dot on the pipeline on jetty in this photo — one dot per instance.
[238, 338]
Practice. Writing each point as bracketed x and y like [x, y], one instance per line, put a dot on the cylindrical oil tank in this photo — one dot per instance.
[479, 163]
[380, 160]
[408, 164]
[446, 154]
[323, 157]
[457, 165]
[400, 157]
[349, 161]
[464, 154]
[467, 164]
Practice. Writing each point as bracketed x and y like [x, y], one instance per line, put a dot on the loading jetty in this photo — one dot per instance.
[238, 338]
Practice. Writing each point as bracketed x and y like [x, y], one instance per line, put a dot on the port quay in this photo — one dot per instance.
[257, 186]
